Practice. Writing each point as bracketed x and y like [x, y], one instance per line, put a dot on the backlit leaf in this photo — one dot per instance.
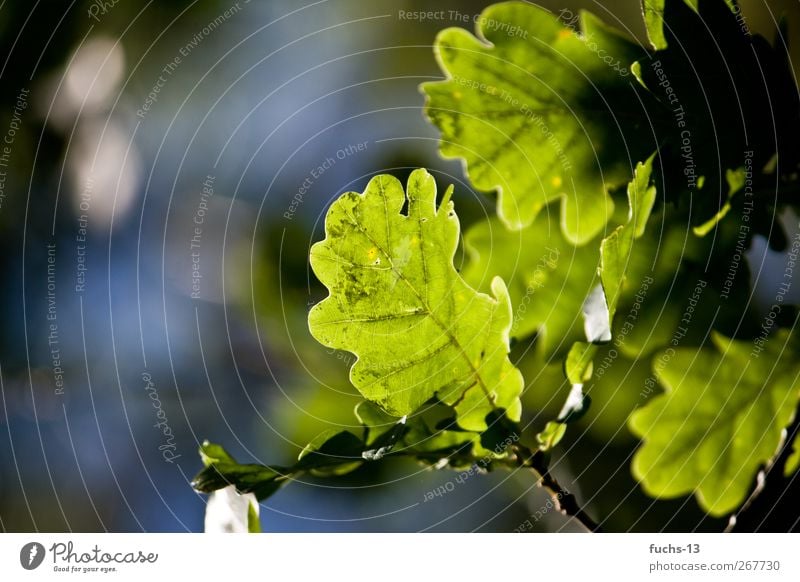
[541, 111]
[719, 420]
[397, 302]
[616, 250]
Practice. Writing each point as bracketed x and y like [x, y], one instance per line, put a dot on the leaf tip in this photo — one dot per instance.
[446, 198]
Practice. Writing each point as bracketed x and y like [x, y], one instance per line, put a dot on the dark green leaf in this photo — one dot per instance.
[579, 363]
[729, 100]
[331, 454]
[222, 470]
[500, 432]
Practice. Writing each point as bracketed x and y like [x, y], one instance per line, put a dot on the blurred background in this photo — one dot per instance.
[165, 167]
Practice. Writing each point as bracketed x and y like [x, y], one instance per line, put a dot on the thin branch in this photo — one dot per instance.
[564, 501]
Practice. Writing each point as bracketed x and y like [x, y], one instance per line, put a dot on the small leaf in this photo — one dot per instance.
[719, 421]
[253, 522]
[211, 453]
[397, 302]
[641, 196]
[551, 435]
[579, 363]
[654, 22]
[736, 181]
[616, 249]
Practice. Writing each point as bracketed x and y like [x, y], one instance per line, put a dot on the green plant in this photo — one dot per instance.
[630, 182]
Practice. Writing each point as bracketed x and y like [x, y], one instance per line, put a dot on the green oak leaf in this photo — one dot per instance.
[551, 435]
[548, 278]
[430, 435]
[578, 368]
[579, 364]
[331, 453]
[397, 302]
[541, 114]
[719, 420]
[616, 250]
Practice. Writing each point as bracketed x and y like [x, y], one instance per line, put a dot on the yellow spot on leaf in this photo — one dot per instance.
[556, 181]
[372, 253]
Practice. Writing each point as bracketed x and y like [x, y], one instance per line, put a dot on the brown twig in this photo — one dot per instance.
[564, 501]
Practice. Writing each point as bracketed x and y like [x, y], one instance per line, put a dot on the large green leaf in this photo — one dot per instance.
[541, 112]
[397, 302]
[719, 420]
[548, 278]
